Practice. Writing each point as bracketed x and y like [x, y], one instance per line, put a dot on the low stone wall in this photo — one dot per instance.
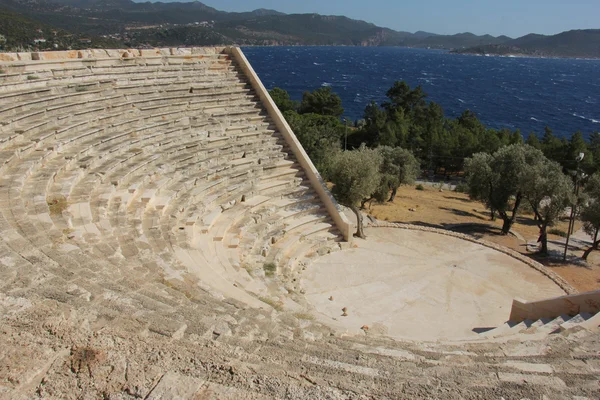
[555, 307]
[313, 175]
[564, 285]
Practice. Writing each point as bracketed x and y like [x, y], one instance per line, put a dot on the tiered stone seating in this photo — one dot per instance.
[142, 196]
[145, 159]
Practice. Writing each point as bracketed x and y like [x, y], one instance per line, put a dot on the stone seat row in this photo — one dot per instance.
[109, 163]
[113, 63]
[120, 112]
[39, 87]
[78, 130]
[15, 103]
[82, 157]
[108, 92]
[44, 78]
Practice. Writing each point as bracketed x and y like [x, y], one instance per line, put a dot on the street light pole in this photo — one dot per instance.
[572, 217]
[345, 134]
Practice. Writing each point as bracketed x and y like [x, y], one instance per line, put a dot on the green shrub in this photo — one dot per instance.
[462, 187]
[420, 187]
[557, 232]
[32, 77]
[270, 269]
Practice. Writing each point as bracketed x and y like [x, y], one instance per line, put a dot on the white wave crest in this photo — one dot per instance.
[592, 120]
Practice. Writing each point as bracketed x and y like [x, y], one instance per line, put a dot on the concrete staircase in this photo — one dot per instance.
[154, 222]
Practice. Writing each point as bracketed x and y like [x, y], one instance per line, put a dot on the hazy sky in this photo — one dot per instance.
[509, 17]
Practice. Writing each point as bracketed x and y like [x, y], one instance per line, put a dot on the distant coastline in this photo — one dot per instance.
[581, 44]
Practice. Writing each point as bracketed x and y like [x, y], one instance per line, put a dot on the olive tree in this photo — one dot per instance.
[399, 167]
[498, 179]
[548, 192]
[590, 212]
[356, 176]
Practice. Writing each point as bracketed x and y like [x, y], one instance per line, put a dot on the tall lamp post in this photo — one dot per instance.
[345, 134]
[572, 217]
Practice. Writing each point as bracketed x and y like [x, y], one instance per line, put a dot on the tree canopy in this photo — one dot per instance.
[407, 131]
[322, 101]
[398, 167]
[590, 211]
[498, 179]
[548, 192]
[283, 101]
[356, 176]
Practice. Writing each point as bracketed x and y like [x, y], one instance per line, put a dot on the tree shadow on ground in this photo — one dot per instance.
[421, 223]
[463, 213]
[555, 259]
[523, 220]
[458, 198]
[476, 230]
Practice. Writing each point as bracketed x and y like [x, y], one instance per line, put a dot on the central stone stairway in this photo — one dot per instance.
[154, 221]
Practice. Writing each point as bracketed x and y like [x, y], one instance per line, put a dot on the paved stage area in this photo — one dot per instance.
[420, 285]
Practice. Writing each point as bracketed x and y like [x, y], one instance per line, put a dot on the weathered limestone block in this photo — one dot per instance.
[9, 57]
[181, 51]
[116, 53]
[99, 53]
[134, 52]
[150, 52]
[58, 55]
[25, 56]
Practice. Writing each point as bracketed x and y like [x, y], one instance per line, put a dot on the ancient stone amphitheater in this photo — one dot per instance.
[146, 198]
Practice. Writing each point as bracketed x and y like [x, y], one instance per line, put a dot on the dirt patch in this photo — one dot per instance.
[456, 212]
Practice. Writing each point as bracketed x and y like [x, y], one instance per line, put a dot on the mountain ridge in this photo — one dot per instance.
[578, 43]
[145, 24]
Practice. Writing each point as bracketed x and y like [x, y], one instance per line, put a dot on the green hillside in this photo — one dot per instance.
[21, 33]
[575, 43]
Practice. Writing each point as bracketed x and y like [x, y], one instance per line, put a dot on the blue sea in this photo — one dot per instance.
[504, 92]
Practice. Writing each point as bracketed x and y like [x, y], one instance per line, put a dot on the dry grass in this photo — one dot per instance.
[305, 316]
[441, 209]
[445, 209]
[277, 305]
[57, 204]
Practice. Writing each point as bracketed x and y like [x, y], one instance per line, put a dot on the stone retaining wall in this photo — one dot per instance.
[564, 285]
[552, 308]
